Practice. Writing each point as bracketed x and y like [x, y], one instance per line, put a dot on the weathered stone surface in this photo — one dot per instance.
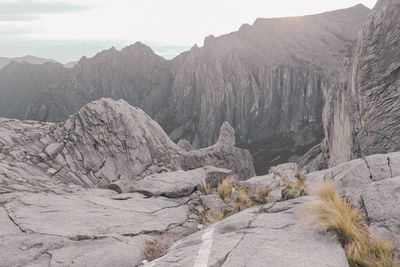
[90, 227]
[67, 215]
[214, 202]
[271, 235]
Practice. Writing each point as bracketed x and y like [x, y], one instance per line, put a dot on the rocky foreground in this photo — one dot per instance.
[94, 190]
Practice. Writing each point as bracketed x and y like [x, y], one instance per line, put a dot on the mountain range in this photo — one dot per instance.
[266, 79]
[108, 186]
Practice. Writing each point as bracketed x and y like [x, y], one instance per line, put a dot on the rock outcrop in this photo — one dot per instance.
[266, 80]
[106, 141]
[361, 114]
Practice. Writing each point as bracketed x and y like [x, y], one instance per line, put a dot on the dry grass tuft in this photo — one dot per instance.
[235, 196]
[294, 189]
[225, 187]
[333, 213]
[205, 188]
[210, 216]
[156, 248]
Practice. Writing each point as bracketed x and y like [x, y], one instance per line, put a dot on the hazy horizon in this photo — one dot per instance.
[67, 30]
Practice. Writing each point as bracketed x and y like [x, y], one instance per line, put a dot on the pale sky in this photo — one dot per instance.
[65, 30]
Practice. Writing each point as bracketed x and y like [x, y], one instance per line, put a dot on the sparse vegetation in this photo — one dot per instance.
[156, 248]
[296, 189]
[225, 188]
[234, 195]
[333, 213]
[210, 216]
[240, 197]
[205, 188]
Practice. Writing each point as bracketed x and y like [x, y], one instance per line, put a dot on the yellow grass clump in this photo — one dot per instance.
[333, 213]
[296, 189]
[225, 187]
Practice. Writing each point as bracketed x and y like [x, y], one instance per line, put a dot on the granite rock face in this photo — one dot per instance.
[106, 141]
[361, 111]
[266, 80]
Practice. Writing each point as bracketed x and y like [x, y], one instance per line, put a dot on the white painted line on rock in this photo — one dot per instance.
[205, 248]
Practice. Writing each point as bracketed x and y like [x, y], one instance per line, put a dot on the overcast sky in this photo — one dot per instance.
[67, 29]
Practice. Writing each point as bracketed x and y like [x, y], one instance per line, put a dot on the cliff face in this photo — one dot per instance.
[266, 80]
[362, 114]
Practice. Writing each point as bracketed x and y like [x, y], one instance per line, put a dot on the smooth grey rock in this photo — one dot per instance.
[381, 204]
[263, 181]
[214, 202]
[176, 184]
[262, 236]
[349, 176]
[317, 158]
[84, 215]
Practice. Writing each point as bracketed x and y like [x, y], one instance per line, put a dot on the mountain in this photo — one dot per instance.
[135, 74]
[22, 83]
[361, 114]
[4, 61]
[266, 80]
[71, 64]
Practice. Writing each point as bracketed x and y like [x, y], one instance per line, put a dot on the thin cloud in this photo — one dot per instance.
[18, 30]
[18, 17]
[27, 8]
